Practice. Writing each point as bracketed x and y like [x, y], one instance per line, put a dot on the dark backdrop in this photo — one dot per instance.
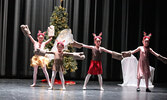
[121, 21]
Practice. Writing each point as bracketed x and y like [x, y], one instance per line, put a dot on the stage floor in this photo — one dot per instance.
[19, 89]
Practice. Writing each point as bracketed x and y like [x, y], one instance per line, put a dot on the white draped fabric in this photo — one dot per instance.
[129, 71]
[63, 35]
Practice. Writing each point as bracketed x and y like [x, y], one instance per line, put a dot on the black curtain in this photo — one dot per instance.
[121, 21]
[16, 49]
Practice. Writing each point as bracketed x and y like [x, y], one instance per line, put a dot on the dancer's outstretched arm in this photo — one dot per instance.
[154, 53]
[76, 55]
[128, 53]
[135, 51]
[115, 55]
[160, 57]
[106, 50]
[87, 46]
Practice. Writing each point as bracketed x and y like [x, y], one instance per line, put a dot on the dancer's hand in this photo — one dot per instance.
[79, 56]
[25, 29]
[126, 54]
[116, 55]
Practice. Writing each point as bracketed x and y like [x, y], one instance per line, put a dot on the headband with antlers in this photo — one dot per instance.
[147, 36]
[60, 43]
[40, 33]
[97, 37]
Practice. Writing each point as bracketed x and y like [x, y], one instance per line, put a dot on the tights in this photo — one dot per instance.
[99, 78]
[61, 77]
[35, 75]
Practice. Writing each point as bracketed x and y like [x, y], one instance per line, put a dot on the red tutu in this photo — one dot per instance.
[95, 68]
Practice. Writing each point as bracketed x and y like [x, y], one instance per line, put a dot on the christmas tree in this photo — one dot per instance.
[59, 20]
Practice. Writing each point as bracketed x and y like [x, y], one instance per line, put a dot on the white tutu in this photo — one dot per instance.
[129, 71]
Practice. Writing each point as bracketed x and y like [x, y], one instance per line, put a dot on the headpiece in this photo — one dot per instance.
[97, 37]
[147, 36]
[40, 33]
[60, 43]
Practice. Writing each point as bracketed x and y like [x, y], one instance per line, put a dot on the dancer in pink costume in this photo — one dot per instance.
[143, 70]
[39, 59]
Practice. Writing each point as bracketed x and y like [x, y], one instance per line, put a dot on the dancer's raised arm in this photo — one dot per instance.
[51, 32]
[27, 32]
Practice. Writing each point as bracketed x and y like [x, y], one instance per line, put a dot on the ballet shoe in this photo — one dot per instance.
[101, 88]
[63, 88]
[84, 88]
[138, 89]
[148, 90]
[33, 85]
[50, 88]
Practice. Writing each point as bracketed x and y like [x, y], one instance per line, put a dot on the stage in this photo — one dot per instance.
[19, 89]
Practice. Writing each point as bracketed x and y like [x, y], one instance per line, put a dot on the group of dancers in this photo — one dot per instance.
[95, 68]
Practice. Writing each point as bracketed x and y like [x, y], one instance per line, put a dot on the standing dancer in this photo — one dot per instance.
[39, 59]
[57, 53]
[143, 64]
[58, 62]
[95, 67]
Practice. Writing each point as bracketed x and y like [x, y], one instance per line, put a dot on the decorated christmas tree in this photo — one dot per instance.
[59, 20]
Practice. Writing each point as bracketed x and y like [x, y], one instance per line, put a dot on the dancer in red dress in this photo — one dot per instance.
[95, 67]
[143, 70]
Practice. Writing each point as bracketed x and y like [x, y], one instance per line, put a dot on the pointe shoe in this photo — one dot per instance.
[50, 88]
[33, 85]
[148, 90]
[138, 89]
[101, 88]
[84, 88]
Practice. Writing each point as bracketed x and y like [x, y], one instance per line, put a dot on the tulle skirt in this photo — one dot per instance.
[37, 60]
